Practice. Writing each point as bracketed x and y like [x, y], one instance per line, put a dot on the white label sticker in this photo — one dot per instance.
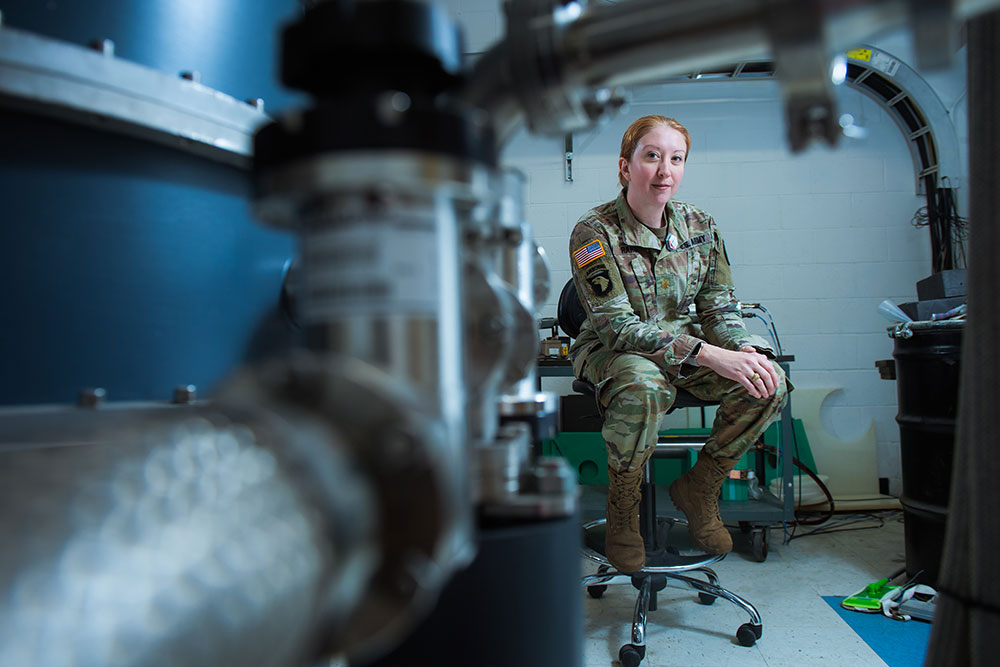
[388, 267]
[884, 63]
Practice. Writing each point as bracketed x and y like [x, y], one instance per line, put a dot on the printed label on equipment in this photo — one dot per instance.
[884, 63]
[880, 61]
[388, 267]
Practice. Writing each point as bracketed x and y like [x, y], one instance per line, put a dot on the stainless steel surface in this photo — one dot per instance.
[400, 249]
[679, 445]
[906, 329]
[50, 77]
[370, 468]
[543, 275]
[795, 31]
[500, 341]
[249, 531]
[488, 326]
[719, 592]
[685, 562]
[537, 404]
[553, 477]
[381, 264]
[517, 267]
[542, 73]
[404, 454]
[501, 464]
[641, 610]
[547, 490]
[382, 283]
[676, 575]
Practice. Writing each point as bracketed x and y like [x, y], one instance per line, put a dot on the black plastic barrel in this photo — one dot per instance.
[928, 358]
[518, 604]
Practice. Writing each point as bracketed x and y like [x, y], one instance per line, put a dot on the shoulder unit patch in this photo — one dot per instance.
[599, 281]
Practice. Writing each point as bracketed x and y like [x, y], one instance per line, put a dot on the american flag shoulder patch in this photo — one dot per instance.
[588, 253]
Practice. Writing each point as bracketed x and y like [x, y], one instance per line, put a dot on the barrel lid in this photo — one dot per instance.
[906, 329]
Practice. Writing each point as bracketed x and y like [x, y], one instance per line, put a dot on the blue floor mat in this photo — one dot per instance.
[898, 643]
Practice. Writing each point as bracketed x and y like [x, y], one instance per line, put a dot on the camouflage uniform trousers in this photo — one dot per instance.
[635, 393]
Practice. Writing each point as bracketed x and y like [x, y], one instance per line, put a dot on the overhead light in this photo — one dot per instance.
[567, 13]
[838, 69]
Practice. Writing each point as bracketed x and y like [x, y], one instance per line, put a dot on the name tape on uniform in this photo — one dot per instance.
[588, 253]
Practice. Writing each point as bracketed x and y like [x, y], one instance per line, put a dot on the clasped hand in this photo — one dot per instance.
[747, 366]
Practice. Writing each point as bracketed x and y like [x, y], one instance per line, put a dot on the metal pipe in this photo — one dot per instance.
[129, 537]
[547, 59]
[516, 267]
[641, 611]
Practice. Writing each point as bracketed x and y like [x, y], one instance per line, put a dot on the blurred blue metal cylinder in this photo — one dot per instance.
[129, 259]
[233, 44]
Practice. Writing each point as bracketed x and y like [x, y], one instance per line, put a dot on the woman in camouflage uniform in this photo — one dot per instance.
[639, 263]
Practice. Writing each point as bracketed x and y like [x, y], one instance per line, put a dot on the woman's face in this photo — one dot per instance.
[655, 170]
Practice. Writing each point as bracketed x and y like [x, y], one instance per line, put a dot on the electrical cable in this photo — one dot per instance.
[948, 229]
[829, 497]
[959, 225]
[828, 514]
[774, 329]
[851, 520]
[767, 327]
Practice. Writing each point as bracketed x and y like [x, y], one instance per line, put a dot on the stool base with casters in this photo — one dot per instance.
[664, 565]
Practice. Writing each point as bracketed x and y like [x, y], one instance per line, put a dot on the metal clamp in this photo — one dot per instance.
[801, 62]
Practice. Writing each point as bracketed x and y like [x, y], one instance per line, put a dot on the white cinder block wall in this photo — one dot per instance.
[820, 238]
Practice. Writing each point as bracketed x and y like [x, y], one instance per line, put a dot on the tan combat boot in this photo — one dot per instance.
[622, 543]
[696, 493]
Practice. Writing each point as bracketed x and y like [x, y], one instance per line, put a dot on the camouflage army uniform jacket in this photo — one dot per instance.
[637, 290]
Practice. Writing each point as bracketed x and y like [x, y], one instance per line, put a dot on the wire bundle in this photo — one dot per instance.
[948, 229]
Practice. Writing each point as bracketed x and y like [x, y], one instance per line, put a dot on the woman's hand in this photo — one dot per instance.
[747, 366]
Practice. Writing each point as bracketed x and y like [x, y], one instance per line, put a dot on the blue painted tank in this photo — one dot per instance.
[130, 264]
[233, 44]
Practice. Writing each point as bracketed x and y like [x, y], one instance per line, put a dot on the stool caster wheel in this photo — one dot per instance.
[597, 591]
[630, 655]
[706, 599]
[759, 544]
[748, 635]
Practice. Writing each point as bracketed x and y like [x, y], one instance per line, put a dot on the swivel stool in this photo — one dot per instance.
[664, 563]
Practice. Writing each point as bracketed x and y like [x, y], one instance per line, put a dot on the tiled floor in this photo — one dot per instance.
[800, 628]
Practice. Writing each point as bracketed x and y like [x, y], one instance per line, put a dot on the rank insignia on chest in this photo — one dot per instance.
[671, 241]
[588, 253]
